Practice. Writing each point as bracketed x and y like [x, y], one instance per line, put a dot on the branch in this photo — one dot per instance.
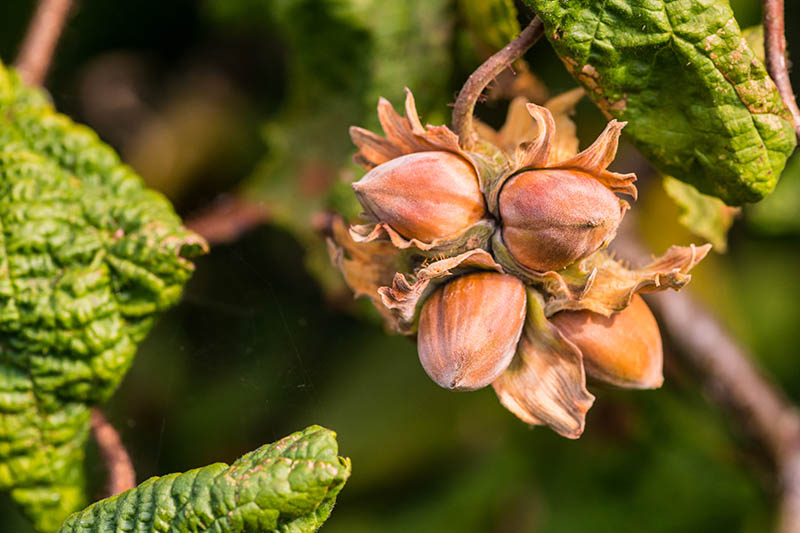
[228, 218]
[775, 55]
[121, 475]
[734, 381]
[40, 41]
[489, 70]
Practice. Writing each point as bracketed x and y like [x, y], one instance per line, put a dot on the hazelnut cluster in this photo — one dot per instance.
[495, 258]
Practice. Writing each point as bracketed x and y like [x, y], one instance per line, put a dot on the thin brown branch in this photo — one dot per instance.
[734, 381]
[775, 55]
[228, 218]
[40, 41]
[489, 70]
[121, 475]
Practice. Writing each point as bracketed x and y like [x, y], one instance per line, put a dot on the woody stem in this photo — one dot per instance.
[775, 55]
[488, 71]
[733, 380]
[40, 40]
[121, 474]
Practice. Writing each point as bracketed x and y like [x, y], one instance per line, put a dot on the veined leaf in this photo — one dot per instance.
[289, 486]
[698, 101]
[88, 256]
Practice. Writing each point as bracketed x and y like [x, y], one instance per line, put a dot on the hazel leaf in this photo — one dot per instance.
[698, 102]
[88, 257]
[289, 486]
[705, 216]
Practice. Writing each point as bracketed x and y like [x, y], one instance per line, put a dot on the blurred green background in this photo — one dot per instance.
[254, 97]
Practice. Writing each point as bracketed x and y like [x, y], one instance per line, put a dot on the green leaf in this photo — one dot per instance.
[705, 216]
[289, 486]
[88, 256]
[698, 102]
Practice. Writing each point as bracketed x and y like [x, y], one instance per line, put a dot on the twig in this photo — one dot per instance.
[733, 381]
[40, 41]
[121, 475]
[228, 218]
[477, 82]
[775, 54]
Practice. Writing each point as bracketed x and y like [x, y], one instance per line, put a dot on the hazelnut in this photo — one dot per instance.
[623, 349]
[469, 329]
[552, 218]
[424, 195]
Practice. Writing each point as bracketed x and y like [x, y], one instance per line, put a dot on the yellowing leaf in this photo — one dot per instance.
[705, 216]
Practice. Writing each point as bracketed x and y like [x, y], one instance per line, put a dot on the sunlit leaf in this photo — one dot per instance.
[88, 257]
[289, 486]
[698, 101]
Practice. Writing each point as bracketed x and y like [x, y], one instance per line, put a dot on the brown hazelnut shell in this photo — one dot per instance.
[624, 349]
[554, 217]
[469, 329]
[424, 195]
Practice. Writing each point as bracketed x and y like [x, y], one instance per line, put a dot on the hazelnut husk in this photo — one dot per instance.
[424, 196]
[623, 349]
[552, 218]
[469, 329]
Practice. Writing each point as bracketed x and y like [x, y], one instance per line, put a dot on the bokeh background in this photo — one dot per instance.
[253, 98]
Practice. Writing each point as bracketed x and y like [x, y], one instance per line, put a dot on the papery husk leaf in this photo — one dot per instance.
[366, 266]
[404, 135]
[475, 236]
[608, 285]
[596, 158]
[535, 152]
[601, 283]
[532, 138]
[565, 142]
[521, 127]
[528, 139]
[545, 383]
[404, 296]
